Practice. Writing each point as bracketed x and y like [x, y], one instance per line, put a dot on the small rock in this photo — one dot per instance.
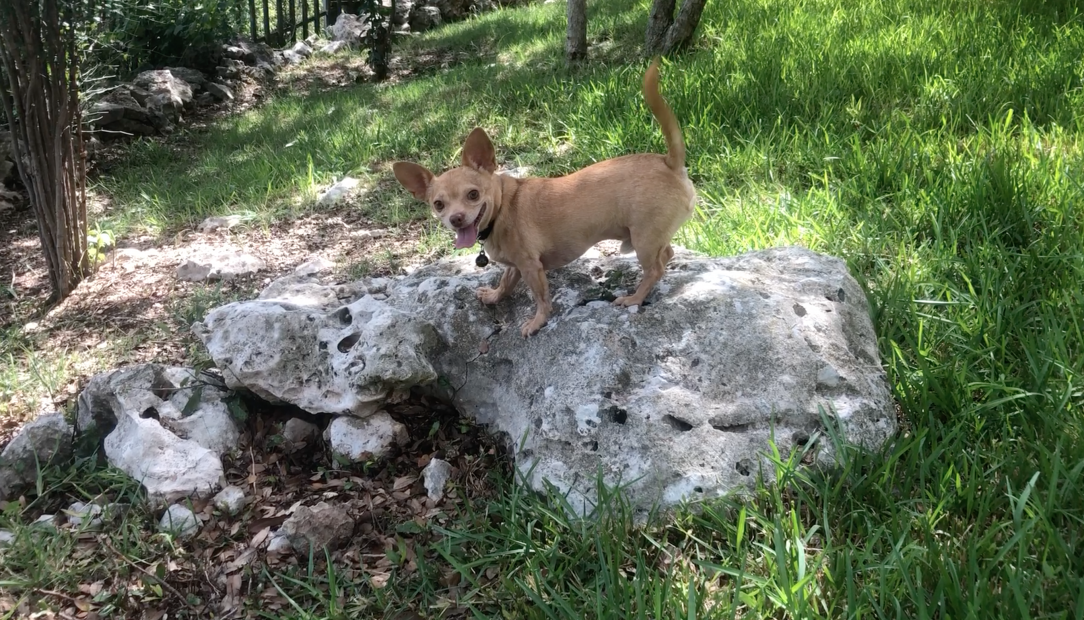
[216, 222]
[6, 537]
[5, 205]
[298, 434]
[279, 542]
[316, 264]
[179, 521]
[424, 18]
[205, 99]
[46, 440]
[46, 522]
[220, 92]
[352, 438]
[302, 49]
[436, 475]
[633, 309]
[224, 264]
[338, 191]
[231, 500]
[334, 47]
[80, 513]
[323, 526]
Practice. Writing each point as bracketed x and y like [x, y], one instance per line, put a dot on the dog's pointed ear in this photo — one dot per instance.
[478, 152]
[414, 178]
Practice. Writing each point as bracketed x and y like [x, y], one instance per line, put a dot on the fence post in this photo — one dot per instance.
[252, 19]
[266, 23]
[305, 19]
[331, 14]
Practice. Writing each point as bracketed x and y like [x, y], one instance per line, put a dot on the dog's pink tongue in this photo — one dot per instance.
[466, 236]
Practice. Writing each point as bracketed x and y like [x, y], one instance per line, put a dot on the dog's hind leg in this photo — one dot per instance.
[653, 262]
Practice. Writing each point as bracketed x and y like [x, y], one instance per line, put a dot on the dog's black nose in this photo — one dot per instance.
[456, 220]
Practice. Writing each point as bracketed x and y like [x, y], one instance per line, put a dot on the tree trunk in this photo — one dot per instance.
[681, 32]
[40, 98]
[658, 24]
[667, 33]
[576, 41]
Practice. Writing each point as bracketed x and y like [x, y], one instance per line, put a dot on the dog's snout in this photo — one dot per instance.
[457, 220]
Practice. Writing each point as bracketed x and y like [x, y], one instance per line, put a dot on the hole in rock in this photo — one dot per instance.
[799, 309]
[344, 316]
[800, 438]
[348, 343]
[744, 467]
[150, 413]
[730, 428]
[698, 489]
[619, 415]
[677, 423]
[591, 445]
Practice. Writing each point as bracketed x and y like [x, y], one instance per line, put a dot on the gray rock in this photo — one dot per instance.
[47, 522]
[338, 191]
[298, 434]
[164, 426]
[219, 264]
[323, 526]
[194, 78]
[279, 542]
[220, 222]
[86, 516]
[349, 29]
[302, 49]
[131, 110]
[180, 522]
[231, 500]
[424, 17]
[340, 361]
[436, 475]
[220, 92]
[43, 442]
[677, 401]
[354, 439]
[167, 90]
[333, 47]
[313, 266]
[6, 537]
[291, 57]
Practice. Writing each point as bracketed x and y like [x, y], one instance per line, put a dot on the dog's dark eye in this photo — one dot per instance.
[438, 205]
[472, 195]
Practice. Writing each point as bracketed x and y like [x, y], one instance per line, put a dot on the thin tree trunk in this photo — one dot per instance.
[681, 32]
[40, 99]
[658, 24]
[576, 40]
[667, 33]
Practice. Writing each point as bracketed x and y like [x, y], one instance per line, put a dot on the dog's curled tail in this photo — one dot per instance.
[675, 144]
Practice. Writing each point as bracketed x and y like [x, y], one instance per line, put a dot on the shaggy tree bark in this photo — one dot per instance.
[576, 40]
[667, 33]
[40, 98]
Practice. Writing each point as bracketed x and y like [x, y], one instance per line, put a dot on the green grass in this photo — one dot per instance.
[935, 145]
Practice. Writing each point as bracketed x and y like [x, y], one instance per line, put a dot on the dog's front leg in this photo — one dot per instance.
[536, 280]
[509, 280]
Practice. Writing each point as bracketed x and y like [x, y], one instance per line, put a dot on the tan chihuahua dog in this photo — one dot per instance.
[532, 225]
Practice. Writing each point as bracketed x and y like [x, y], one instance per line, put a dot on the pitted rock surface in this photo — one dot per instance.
[676, 400]
[164, 426]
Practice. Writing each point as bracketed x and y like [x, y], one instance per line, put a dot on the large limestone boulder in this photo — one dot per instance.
[345, 361]
[676, 400]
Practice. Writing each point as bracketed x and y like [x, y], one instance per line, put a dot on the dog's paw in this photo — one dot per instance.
[488, 295]
[628, 300]
[531, 327]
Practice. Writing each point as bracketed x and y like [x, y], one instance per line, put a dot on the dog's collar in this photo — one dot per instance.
[482, 259]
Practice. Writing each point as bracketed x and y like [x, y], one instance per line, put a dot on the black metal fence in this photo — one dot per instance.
[277, 22]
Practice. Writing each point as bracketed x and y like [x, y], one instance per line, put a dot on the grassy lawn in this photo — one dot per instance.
[936, 145]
